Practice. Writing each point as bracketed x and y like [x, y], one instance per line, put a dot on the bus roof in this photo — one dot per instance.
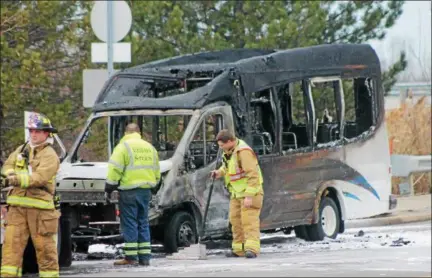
[212, 59]
[257, 70]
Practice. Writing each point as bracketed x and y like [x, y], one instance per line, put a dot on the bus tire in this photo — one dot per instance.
[64, 239]
[328, 221]
[301, 232]
[180, 231]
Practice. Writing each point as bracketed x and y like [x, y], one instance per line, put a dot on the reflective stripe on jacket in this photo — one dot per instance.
[37, 184]
[134, 163]
[236, 178]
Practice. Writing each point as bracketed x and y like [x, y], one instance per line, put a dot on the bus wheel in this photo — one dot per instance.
[180, 231]
[328, 222]
[64, 239]
[301, 232]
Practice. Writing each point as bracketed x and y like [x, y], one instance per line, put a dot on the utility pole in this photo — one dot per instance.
[110, 35]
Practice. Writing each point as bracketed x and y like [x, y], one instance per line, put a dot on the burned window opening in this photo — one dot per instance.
[294, 121]
[193, 83]
[359, 104]
[126, 86]
[263, 122]
[203, 148]
[94, 144]
[326, 95]
[163, 132]
[201, 74]
[240, 109]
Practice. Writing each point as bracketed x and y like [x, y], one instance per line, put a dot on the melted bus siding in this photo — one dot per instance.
[314, 116]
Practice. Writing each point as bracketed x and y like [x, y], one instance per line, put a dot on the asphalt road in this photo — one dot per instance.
[395, 262]
[391, 251]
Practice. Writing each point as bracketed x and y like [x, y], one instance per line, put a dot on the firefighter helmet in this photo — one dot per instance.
[40, 122]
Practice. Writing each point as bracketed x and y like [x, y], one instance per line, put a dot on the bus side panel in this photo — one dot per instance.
[371, 159]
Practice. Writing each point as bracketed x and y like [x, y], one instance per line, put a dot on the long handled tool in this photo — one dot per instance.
[198, 251]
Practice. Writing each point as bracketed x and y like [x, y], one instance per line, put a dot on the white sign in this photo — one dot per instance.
[26, 120]
[122, 18]
[121, 52]
[93, 82]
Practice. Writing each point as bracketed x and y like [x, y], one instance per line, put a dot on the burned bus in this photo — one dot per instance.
[313, 115]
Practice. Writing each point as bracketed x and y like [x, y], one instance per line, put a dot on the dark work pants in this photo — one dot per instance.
[134, 208]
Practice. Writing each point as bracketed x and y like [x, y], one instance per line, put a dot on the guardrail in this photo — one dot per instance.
[406, 165]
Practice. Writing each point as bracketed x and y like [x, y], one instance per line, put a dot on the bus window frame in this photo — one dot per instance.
[339, 104]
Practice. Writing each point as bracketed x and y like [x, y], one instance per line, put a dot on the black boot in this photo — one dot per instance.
[250, 255]
[231, 254]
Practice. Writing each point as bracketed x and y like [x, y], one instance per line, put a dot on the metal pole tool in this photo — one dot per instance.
[199, 251]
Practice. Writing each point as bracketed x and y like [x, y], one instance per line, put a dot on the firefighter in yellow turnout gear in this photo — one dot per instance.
[31, 170]
[244, 181]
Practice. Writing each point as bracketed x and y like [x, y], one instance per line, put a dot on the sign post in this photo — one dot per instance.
[110, 26]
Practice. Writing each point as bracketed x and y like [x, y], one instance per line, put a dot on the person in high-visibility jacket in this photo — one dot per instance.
[243, 180]
[31, 171]
[133, 170]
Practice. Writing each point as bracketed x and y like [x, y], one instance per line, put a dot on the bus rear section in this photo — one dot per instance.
[369, 192]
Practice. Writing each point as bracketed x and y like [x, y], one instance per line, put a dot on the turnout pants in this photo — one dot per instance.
[245, 225]
[134, 208]
[42, 226]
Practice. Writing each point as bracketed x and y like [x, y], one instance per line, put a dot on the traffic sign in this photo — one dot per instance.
[121, 52]
[122, 17]
[93, 82]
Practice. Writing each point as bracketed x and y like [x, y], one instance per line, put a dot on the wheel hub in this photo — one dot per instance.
[328, 221]
[186, 235]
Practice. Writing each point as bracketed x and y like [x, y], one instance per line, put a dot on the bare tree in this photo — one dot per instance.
[419, 61]
[422, 64]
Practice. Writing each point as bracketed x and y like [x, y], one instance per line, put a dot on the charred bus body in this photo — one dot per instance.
[314, 116]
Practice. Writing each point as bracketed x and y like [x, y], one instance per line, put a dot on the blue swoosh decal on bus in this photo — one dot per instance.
[361, 181]
[350, 195]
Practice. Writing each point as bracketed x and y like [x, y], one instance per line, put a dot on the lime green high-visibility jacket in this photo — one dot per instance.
[134, 163]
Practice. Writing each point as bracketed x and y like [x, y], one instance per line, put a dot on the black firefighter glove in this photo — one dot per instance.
[109, 188]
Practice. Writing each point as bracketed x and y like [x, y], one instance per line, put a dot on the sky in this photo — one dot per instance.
[412, 33]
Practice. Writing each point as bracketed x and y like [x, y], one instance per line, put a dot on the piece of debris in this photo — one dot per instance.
[102, 251]
[360, 234]
[79, 256]
[400, 242]
[193, 252]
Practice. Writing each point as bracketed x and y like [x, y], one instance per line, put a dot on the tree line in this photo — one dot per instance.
[45, 45]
